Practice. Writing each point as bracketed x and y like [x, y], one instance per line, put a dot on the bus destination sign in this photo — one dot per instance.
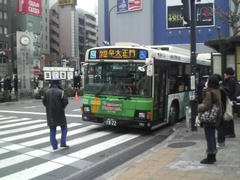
[118, 53]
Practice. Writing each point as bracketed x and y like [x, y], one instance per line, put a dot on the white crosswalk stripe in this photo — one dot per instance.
[21, 123]
[31, 134]
[6, 118]
[104, 141]
[16, 120]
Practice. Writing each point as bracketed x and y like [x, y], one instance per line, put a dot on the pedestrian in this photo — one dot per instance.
[221, 128]
[211, 96]
[230, 84]
[201, 85]
[55, 102]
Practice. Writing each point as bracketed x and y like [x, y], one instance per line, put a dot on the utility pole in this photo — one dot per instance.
[189, 6]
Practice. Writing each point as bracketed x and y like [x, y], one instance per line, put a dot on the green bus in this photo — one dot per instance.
[133, 85]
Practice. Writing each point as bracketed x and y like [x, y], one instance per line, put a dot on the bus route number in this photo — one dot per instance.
[110, 122]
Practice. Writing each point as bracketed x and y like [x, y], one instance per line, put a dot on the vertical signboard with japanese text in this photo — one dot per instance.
[32, 7]
[128, 5]
[205, 14]
[25, 61]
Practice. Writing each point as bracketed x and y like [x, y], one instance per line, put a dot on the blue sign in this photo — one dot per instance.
[93, 54]
[143, 54]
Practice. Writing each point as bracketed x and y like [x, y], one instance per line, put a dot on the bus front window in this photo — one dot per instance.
[120, 79]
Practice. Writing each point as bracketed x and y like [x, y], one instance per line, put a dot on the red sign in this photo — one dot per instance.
[4, 53]
[33, 7]
[134, 5]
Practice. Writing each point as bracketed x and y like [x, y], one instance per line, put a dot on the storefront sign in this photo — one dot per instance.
[129, 5]
[33, 7]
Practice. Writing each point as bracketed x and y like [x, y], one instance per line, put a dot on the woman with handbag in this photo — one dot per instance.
[210, 116]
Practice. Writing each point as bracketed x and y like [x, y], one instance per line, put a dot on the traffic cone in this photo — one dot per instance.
[76, 97]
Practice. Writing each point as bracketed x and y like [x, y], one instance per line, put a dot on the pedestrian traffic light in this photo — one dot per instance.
[186, 11]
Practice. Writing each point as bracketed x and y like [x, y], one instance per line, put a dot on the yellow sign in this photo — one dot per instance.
[66, 2]
[117, 54]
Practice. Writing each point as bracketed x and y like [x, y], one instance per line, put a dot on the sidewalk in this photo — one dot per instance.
[178, 158]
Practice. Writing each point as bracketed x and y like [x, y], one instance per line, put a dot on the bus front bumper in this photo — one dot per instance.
[116, 121]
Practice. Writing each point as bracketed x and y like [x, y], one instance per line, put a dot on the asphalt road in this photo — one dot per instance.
[95, 149]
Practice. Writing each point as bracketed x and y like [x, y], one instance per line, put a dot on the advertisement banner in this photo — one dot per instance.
[128, 5]
[32, 7]
[204, 15]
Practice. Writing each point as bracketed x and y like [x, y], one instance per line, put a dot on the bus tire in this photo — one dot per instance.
[173, 114]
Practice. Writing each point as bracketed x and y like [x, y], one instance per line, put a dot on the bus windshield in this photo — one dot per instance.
[117, 79]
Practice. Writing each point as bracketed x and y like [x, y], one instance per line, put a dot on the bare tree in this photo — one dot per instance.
[231, 17]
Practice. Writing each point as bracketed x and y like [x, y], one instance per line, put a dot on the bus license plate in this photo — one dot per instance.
[110, 122]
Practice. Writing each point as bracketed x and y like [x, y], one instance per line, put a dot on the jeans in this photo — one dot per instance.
[211, 140]
[53, 139]
[221, 133]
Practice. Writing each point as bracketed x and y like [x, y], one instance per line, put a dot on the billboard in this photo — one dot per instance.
[128, 5]
[32, 7]
[205, 14]
[66, 2]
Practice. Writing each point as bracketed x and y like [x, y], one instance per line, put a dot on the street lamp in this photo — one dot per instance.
[109, 19]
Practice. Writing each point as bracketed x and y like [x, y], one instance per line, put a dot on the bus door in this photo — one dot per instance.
[160, 83]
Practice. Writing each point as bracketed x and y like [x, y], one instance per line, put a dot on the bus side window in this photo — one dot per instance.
[173, 85]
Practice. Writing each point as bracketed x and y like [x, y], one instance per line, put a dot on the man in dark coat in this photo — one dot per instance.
[230, 84]
[55, 102]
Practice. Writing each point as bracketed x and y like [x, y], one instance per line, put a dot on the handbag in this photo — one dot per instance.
[210, 116]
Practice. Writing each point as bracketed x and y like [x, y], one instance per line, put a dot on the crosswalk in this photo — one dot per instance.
[25, 151]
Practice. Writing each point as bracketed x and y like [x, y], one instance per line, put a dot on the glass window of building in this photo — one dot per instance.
[1, 1]
[1, 30]
[5, 30]
[5, 1]
[5, 15]
[1, 14]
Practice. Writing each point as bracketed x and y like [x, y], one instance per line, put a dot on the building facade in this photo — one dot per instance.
[5, 61]
[72, 32]
[159, 22]
[87, 32]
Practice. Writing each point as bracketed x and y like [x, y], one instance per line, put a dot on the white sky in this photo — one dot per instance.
[88, 5]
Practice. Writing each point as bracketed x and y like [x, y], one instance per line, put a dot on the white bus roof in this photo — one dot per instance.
[172, 49]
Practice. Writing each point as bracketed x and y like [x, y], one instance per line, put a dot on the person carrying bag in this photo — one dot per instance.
[210, 116]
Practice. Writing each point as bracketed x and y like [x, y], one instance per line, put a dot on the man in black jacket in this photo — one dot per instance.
[55, 102]
[230, 83]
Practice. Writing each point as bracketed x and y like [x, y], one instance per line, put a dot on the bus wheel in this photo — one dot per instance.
[173, 114]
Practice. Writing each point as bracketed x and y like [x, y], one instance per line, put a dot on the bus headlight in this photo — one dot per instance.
[141, 115]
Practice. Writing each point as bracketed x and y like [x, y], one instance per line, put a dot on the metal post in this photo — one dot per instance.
[193, 100]
[109, 21]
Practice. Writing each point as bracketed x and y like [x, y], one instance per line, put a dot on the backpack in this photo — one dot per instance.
[228, 115]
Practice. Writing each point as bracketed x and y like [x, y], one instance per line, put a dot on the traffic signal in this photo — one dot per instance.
[186, 11]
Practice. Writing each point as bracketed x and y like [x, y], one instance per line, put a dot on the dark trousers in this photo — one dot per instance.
[53, 139]
[221, 133]
[211, 140]
[229, 127]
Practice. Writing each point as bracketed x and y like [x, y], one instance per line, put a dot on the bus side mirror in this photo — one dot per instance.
[142, 68]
